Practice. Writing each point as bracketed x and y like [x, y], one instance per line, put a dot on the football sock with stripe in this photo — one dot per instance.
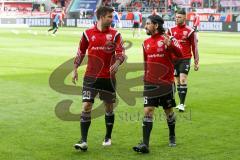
[171, 120]
[109, 121]
[85, 122]
[182, 92]
[147, 128]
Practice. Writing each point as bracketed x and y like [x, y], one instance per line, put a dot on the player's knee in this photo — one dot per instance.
[171, 118]
[177, 83]
[183, 80]
[108, 107]
[177, 80]
[87, 106]
[148, 111]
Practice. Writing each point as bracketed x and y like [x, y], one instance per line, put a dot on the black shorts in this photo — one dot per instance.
[181, 66]
[55, 25]
[159, 95]
[105, 87]
[136, 25]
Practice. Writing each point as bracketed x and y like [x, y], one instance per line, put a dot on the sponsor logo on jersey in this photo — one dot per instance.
[185, 33]
[160, 43]
[148, 46]
[156, 55]
[109, 37]
[93, 38]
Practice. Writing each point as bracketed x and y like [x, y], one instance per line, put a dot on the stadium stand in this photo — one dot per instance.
[166, 8]
[30, 8]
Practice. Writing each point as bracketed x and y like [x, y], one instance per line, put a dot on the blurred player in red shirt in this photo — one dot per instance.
[158, 79]
[154, 12]
[196, 21]
[105, 54]
[186, 36]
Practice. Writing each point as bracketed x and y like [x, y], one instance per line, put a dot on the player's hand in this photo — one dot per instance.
[196, 67]
[114, 67]
[167, 40]
[74, 76]
[194, 28]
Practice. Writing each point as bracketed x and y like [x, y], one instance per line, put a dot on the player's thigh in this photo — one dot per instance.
[176, 69]
[168, 101]
[184, 66]
[149, 110]
[54, 25]
[168, 111]
[109, 107]
[89, 90]
[108, 91]
[150, 98]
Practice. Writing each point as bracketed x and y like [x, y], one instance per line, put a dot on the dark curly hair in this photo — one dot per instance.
[156, 19]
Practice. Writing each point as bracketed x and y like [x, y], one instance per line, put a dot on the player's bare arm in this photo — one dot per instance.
[114, 67]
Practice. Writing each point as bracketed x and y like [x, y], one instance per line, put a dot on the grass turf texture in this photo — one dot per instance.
[29, 128]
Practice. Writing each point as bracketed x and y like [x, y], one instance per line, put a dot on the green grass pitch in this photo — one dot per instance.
[30, 129]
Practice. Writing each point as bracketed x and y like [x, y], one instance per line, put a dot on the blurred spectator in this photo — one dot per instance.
[106, 2]
[211, 18]
[42, 7]
[82, 13]
[154, 12]
[62, 2]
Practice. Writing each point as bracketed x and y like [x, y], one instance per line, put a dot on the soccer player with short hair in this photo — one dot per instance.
[186, 36]
[105, 54]
[116, 19]
[196, 20]
[57, 17]
[158, 79]
[137, 22]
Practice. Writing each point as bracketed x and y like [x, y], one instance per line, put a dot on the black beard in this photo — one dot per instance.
[148, 33]
[106, 25]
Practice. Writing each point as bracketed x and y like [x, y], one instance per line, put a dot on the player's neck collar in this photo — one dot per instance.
[155, 35]
[104, 30]
[181, 25]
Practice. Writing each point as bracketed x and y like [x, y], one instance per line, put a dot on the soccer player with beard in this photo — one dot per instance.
[158, 79]
[186, 36]
[105, 54]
